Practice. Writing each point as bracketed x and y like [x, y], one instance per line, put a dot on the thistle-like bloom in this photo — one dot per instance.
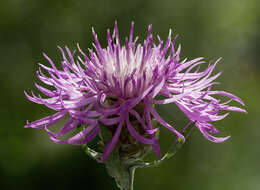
[115, 85]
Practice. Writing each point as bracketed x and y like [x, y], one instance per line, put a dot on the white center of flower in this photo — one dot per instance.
[130, 67]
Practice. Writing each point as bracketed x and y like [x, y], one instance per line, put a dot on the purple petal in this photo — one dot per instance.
[165, 124]
[112, 143]
[46, 121]
[200, 126]
[76, 140]
[223, 93]
[136, 135]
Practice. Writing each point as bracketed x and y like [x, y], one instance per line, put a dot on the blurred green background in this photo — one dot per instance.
[223, 28]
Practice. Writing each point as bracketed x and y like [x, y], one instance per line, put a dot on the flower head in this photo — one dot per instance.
[117, 85]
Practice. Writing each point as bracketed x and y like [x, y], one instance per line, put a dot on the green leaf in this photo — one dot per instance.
[170, 153]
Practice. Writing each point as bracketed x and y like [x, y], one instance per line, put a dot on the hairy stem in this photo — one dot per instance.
[121, 171]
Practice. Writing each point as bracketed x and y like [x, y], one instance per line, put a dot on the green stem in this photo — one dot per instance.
[121, 172]
[125, 181]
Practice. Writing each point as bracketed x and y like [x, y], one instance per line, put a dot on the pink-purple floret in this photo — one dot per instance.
[132, 74]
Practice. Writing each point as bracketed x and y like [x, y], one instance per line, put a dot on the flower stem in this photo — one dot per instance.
[121, 172]
[126, 180]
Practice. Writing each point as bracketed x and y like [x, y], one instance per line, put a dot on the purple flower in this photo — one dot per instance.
[128, 76]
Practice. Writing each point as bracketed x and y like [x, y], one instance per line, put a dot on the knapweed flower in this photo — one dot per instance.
[118, 84]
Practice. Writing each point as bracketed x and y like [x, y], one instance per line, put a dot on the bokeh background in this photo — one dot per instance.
[223, 28]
